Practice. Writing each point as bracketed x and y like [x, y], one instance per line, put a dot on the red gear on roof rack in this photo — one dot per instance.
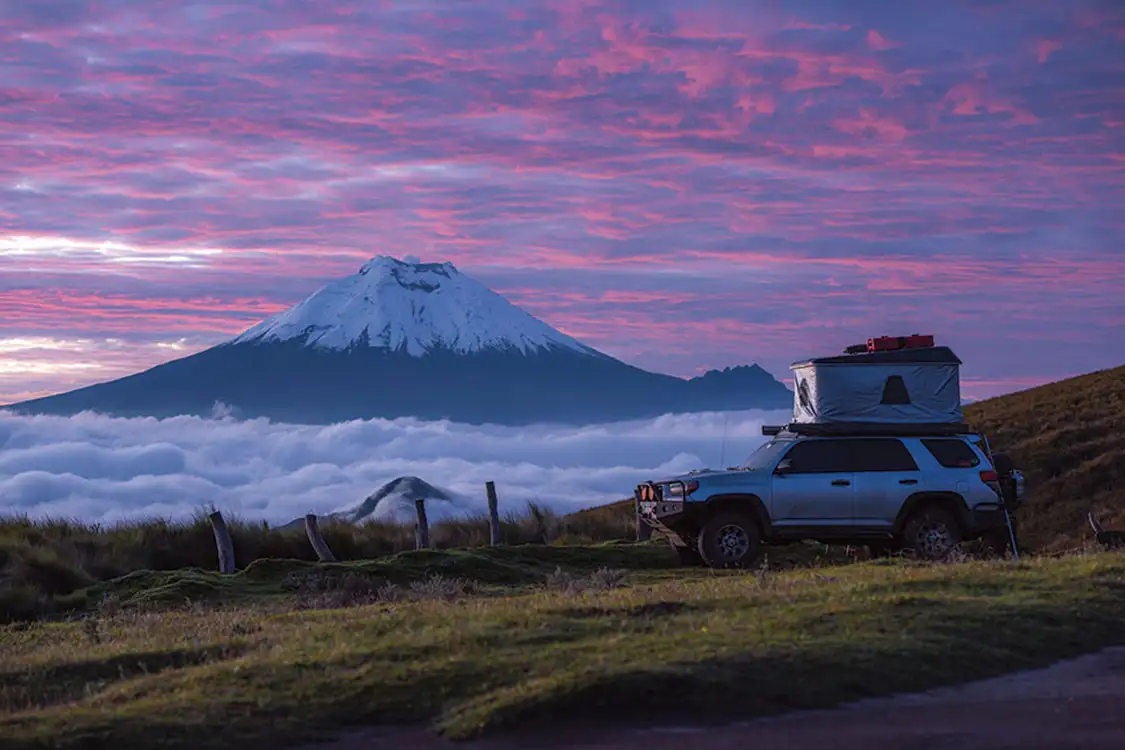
[892, 343]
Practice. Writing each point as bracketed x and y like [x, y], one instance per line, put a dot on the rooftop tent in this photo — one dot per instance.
[906, 386]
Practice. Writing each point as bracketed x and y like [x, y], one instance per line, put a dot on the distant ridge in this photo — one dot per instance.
[400, 339]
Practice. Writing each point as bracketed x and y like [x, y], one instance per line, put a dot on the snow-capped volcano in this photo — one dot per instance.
[413, 307]
[406, 339]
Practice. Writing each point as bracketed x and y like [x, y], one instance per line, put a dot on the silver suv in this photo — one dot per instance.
[920, 493]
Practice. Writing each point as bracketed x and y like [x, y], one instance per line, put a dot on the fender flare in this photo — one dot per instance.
[949, 500]
[743, 501]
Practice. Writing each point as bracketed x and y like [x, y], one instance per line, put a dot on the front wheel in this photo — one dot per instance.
[730, 539]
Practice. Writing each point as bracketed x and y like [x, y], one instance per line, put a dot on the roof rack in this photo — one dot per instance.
[851, 429]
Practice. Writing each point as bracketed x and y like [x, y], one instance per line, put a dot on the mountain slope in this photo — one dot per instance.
[418, 340]
[1069, 438]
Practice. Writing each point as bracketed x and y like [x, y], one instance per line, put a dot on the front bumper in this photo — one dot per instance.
[665, 516]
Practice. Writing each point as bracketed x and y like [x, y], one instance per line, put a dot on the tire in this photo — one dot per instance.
[931, 534]
[730, 539]
[689, 557]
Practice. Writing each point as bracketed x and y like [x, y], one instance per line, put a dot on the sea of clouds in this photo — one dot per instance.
[96, 468]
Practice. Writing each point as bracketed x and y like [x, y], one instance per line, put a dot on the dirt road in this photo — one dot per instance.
[1073, 705]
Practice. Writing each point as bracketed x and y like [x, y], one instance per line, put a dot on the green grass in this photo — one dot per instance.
[46, 566]
[501, 638]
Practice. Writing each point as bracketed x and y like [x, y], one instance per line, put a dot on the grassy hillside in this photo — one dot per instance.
[263, 658]
[1069, 437]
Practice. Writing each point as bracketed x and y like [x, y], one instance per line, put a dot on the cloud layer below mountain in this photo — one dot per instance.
[98, 468]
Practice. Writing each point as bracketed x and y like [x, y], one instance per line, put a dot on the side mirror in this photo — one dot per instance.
[784, 466]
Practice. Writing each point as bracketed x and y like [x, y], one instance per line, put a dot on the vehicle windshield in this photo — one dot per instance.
[766, 454]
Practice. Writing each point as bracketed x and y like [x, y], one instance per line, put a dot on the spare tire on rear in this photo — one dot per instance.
[1003, 463]
[1004, 466]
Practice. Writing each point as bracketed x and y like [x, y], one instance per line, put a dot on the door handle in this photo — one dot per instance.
[840, 483]
[908, 481]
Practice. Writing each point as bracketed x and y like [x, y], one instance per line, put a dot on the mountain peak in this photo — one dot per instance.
[407, 305]
[406, 270]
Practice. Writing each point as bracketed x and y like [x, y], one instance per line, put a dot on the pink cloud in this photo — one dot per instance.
[877, 42]
[1045, 47]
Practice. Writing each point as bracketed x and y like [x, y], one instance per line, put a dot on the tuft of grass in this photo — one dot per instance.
[601, 579]
[255, 668]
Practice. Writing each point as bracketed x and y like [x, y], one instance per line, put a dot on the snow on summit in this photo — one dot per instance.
[416, 307]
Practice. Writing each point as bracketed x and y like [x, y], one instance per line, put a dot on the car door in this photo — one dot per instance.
[885, 474]
[812, 485]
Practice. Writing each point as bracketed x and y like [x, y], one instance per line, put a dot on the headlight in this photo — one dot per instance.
[675, 488]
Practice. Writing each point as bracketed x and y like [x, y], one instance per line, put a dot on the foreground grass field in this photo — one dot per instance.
[283, 649]
[45, 566]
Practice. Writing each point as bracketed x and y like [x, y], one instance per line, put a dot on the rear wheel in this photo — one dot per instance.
[730, 539]
[931, 534]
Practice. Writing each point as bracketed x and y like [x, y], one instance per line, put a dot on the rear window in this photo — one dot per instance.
[881, 454]
[952, 454]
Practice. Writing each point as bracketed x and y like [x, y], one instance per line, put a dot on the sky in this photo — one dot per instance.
[681, 185]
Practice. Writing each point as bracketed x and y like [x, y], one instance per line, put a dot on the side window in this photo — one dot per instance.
[951, 453]
[881, 454]
[818, 457]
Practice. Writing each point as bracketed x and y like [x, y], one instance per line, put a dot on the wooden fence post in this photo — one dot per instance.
[422, 529]
[323, 553]
[222, 542]
[493, 514]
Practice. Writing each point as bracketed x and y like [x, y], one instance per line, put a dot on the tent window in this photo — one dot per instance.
[894, 392]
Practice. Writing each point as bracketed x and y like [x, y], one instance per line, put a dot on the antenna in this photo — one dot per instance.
[723, 452]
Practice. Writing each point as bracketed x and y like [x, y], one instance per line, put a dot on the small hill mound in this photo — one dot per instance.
[394, 501]
[1069, 438]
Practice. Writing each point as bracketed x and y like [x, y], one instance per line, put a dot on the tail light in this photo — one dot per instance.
[989, 476]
